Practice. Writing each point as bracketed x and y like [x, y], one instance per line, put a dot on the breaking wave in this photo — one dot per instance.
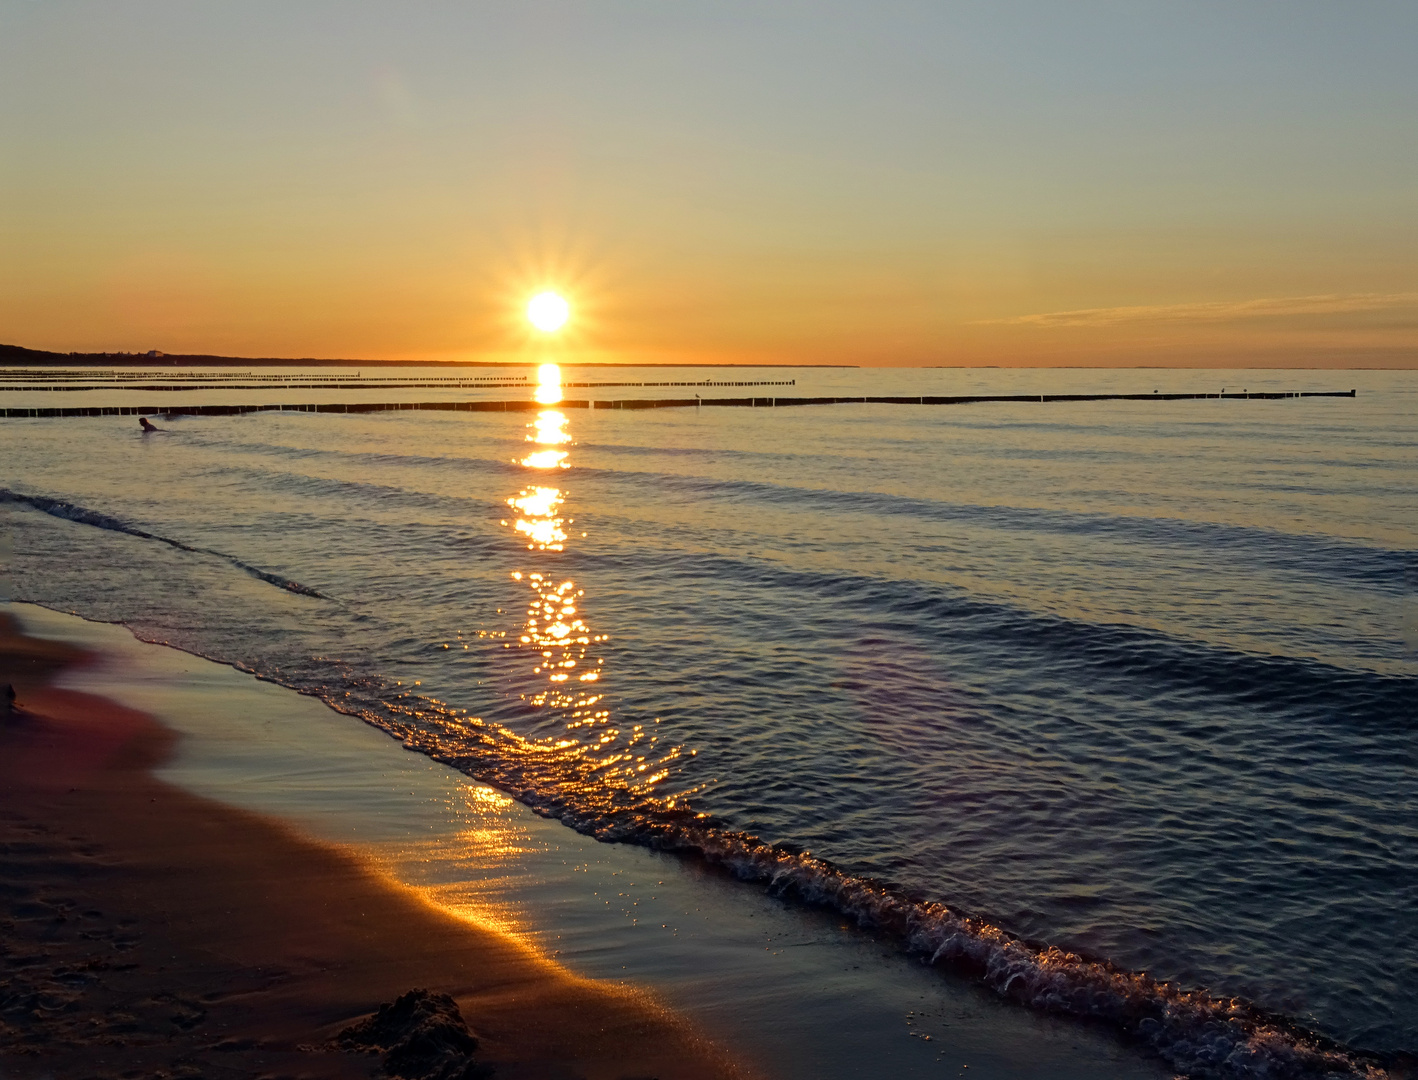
[1201, 1036]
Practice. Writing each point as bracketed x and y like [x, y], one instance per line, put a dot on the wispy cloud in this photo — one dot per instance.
[1214, 311]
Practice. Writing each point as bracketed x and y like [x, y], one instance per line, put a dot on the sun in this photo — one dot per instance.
[548, 312]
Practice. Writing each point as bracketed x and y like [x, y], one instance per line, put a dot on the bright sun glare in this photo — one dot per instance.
[548, 312]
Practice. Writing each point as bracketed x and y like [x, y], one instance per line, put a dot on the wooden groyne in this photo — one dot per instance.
[523, 405]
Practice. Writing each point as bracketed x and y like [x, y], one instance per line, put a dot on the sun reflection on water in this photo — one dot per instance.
[540, 523]
[464, 872]
[548, 385]
[618, 764]
[548, 430]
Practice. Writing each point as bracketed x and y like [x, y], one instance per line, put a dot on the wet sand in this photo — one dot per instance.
[147, 931]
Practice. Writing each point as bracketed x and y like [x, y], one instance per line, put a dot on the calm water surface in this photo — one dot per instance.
[1136, 680]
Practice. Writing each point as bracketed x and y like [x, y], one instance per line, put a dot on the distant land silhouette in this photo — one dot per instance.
[19, 356]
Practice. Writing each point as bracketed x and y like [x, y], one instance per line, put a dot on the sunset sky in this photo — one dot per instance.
[1033, 183]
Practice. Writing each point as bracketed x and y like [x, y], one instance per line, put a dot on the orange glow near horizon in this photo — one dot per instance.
[974, 311]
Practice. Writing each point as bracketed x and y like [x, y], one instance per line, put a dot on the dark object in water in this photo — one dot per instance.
[147, 425]
[422, 1037]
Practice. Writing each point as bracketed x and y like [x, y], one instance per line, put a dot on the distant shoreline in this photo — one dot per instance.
[18, 356]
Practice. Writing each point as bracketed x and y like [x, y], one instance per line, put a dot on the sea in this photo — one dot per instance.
[1094, 718]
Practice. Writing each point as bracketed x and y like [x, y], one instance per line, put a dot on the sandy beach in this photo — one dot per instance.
[147, 931]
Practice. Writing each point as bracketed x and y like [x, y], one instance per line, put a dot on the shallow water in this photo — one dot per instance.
[1133, 679]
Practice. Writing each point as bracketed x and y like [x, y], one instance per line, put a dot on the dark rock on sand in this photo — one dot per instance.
[422, 1036]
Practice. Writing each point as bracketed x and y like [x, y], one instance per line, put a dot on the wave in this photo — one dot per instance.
[1328, 556]
[1118, 654]
[1291, 554]
[383, 458]
[83, 515]
[305, 487]
[1205, 1037]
